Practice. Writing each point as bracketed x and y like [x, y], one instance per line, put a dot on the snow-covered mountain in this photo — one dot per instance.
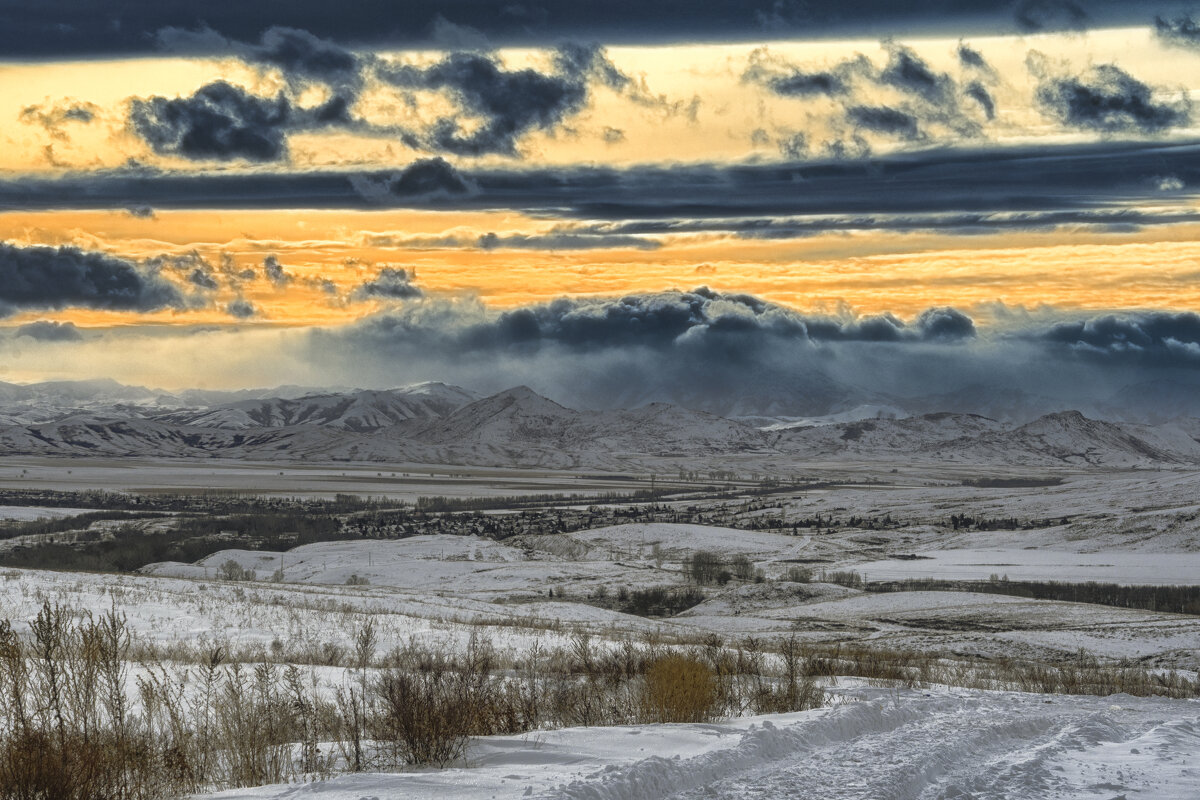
[869, 437]
[1065, 438]
[357, 411]
[442, 424]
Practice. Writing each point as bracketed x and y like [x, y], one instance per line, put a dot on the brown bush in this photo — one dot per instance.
[679, 688]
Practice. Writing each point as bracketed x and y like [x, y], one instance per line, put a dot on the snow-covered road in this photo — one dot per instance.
[876, 744]
[979, 746]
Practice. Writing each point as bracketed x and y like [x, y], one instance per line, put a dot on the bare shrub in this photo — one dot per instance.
[679, 688]
[426, 716]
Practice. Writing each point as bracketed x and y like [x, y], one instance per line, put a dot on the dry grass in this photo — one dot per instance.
[203, 717]
[679, 688]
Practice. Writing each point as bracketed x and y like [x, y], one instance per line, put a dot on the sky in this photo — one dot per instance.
[821, 203]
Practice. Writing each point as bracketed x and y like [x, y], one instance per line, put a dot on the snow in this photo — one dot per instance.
[32, 513]
[1042, 565]
[873, 743]
[677, 540]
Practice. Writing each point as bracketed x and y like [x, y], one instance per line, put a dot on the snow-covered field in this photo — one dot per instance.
[395, 481]
[32, 513]
[1042, 565]
[872, 743]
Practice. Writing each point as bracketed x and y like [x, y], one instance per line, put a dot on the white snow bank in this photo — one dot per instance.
[875, 743]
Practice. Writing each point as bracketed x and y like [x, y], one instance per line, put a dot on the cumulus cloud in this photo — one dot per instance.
[667, 320]
[52, 117]
[494, 106]
[497, 106]
[50, 331]
[1183, 31]
[62, 277]
[275, 272]
[882, 119]
[970, 57]
[202, 278]
[1033, 16]
[690, 347]
[945, 325]
[789, 80]
[904, 98]
[908, 72]
[685, 347]
[303, 58]
[241, 308]
[429, 178]
[980, 94]
[1158, 338]
[1106, 98]
[392, 283]
[219, 121]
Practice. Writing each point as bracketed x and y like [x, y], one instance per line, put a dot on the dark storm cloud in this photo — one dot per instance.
[664, 321]
[689, 347]
[922, 99]
[1183, 31]
[1156, 338]
[1034, 16]
[275, 272]
[495, 106]
[945, 325]
[241, 308]
[220, 121]
[1103, 177]
[392, 283]
[503, 105]
[685, 347]
[140, 212]
[94, 27]
[789, 80]
[970, 57]
[202, 278]
[302, 56]
[49, 331]
[980, 94]
[63, 277]
[905, 70]
[425, 178]
[1107, 99]
[882, 119]
[806, 84]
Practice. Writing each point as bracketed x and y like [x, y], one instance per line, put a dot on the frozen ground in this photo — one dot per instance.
[939, 743]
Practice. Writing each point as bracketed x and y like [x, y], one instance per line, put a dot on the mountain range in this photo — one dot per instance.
[436, 423]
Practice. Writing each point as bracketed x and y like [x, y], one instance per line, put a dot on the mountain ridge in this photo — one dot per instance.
[444, 424]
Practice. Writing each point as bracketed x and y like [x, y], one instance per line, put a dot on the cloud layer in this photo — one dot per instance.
[92, 27]
[723, 352]
[62, 277]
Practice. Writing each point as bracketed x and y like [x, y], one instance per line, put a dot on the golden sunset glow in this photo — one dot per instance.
[295, 183]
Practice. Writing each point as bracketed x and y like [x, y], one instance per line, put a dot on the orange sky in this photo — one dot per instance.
[689, 104]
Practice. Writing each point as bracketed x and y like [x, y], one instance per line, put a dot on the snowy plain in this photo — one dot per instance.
[870, 743]
[1136, 526]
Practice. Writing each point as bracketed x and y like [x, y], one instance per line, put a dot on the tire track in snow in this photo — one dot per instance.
[910, 746]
